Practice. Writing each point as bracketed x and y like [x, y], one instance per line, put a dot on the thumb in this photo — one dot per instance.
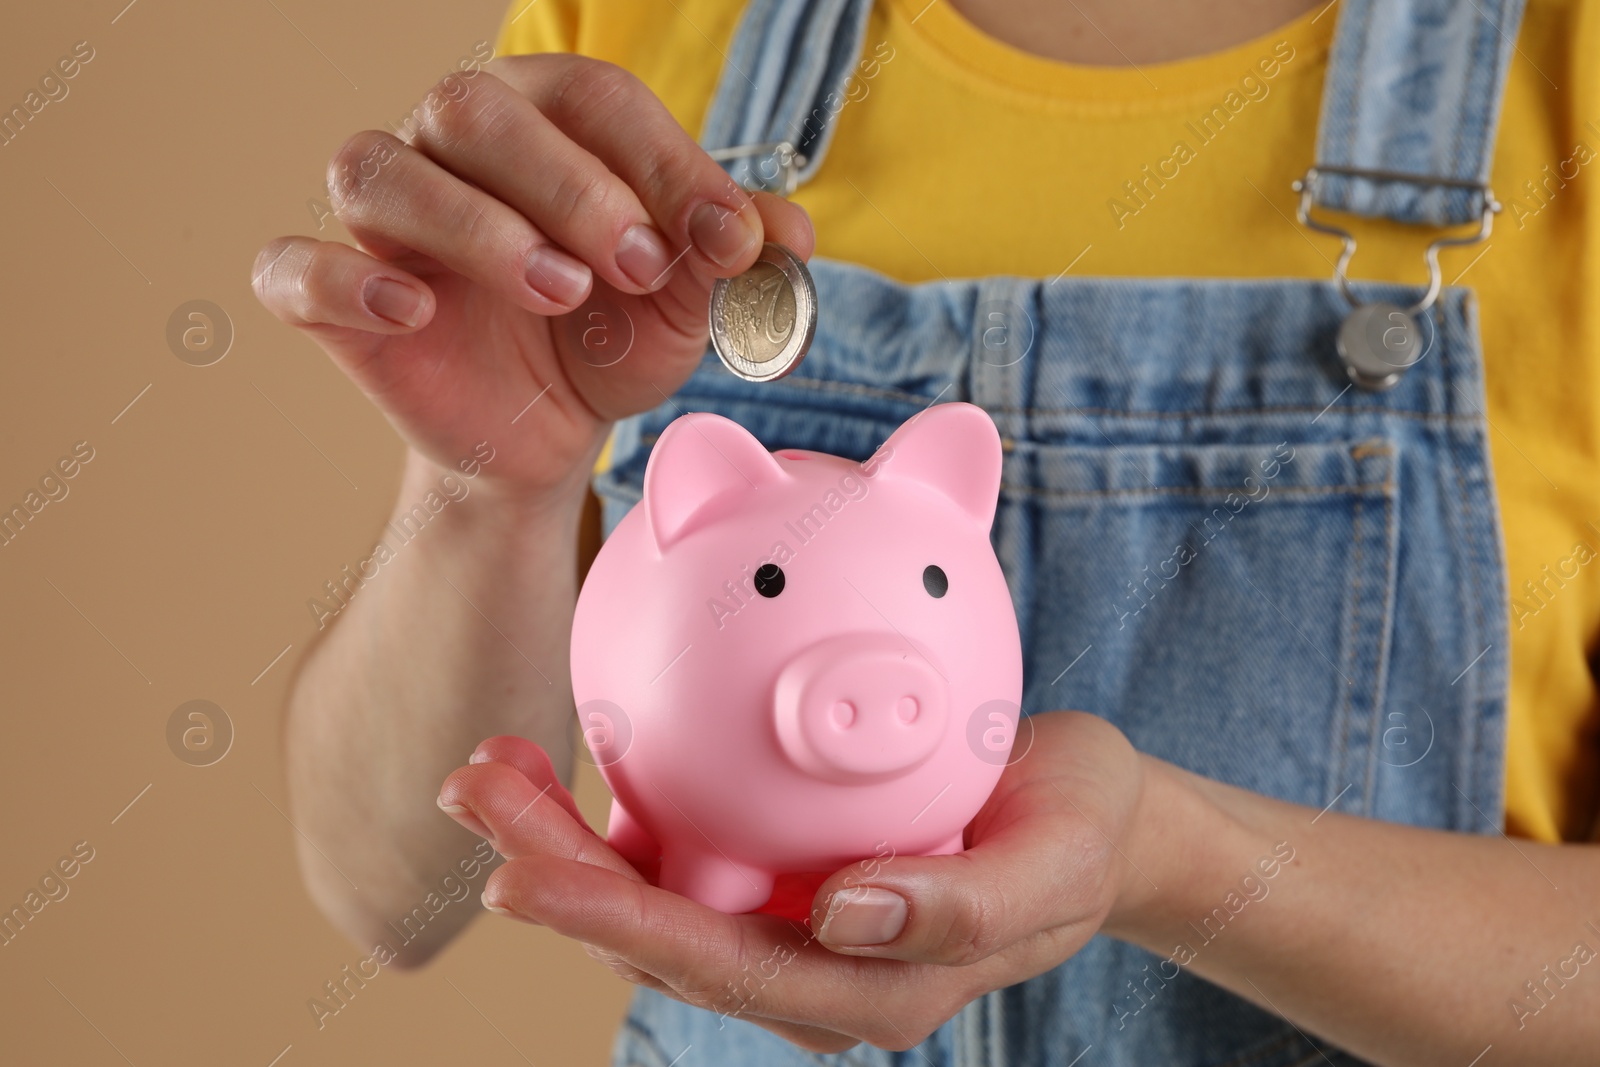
[1041, 871]
[787, 223]
[1039, 861]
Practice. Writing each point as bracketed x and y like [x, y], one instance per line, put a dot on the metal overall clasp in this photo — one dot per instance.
[788, 162]
[1378, 341]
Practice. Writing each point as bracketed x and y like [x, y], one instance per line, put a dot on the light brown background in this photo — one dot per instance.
[184, 554]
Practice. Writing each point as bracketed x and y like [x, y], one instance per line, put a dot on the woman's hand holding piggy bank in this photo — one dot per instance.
[791, 663]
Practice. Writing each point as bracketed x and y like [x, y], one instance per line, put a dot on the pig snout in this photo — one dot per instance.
[861, 707]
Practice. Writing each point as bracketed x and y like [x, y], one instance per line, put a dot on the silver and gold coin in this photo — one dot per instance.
[762, 321]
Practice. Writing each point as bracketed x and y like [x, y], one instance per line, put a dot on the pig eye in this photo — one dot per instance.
[769, 580]
[934, 581]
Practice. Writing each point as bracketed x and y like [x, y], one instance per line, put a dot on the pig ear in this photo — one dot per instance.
[701, 458]
[955, 449]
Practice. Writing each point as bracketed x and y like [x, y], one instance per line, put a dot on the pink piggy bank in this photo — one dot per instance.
[786, 662]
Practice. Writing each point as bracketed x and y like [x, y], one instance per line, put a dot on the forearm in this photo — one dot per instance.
[462, 634]
[1403, 946]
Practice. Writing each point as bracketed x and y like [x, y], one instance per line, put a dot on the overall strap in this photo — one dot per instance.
[785, 78]
[1410, 108]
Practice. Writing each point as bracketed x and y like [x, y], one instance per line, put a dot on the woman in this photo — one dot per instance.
[1250, 523]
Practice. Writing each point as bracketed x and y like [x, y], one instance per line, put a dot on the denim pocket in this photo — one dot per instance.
[1228, 606]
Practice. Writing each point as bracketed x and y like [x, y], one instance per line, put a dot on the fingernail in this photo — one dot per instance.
[465, 818]
[863, 916]
[643, 256]
[395, 301]
[556, 276]
[721, 233]
[507, 912]
[477, 757]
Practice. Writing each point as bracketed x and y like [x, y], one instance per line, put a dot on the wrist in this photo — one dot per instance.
[1179, 858]
[475, 497]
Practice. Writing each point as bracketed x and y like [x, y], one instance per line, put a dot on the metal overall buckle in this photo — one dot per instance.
[789, 162]
[1378, 341]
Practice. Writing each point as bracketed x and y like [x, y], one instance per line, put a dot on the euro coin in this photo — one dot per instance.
[762, 321]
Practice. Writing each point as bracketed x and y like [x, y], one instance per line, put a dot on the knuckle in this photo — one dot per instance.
[582, 192]
[507, 67]
[317, 279]
[283, 279]
[974, 928]
[708, 985]
[355, 148]
[265, 273]
[451, 118]
[615, 963]
[478, 236]
[593, 86]
[357, 163]
[438, 123]
[698, 991]
[522, 72]
[305, 288]
[667, 167]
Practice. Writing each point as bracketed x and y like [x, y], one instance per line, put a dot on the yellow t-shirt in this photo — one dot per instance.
[968, 157]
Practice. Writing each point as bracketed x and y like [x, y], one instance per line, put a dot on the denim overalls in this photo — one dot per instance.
[1256, 570]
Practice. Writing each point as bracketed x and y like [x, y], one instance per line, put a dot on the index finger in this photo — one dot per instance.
[753, 966]
[616, 117]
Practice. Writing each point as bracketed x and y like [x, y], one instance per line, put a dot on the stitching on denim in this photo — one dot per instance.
[1378, 693]
[652, 438]
[1353, 102]
[1287, 409]
[1467, 104]
[1355, 635]
[854, 388]
[1385, 488]
[1486, 102]
[920, 400]
[1472, 562]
